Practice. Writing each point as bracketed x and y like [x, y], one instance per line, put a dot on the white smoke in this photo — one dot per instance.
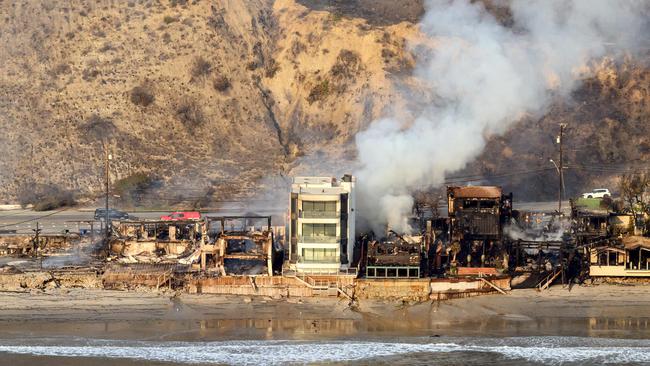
[485, 76]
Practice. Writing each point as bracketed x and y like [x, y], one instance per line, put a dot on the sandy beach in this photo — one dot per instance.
[600, 310]
[87, 318]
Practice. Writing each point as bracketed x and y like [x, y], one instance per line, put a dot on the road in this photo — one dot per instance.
[548, 206]
[52, 222]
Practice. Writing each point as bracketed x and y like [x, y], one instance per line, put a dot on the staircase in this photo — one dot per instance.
[319, 287]
[546, 282]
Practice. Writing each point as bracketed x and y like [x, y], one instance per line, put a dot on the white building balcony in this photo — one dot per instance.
[319, 214]
[319, 239]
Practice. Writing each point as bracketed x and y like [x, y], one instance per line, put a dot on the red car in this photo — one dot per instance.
[183, 215]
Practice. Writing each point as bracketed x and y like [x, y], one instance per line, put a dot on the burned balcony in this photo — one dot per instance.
[394, 256]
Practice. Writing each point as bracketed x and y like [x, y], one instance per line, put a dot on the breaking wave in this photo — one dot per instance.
[545, 350]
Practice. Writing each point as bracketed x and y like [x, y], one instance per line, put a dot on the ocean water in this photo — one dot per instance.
[548, 350]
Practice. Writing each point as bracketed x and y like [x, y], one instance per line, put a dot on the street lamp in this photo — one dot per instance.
[556, 167]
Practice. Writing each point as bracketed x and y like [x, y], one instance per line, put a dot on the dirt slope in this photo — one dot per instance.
[228, 91]
[211, 98]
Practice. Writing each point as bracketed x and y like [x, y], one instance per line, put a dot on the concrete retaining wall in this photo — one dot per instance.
[275, 286]
[411, 289]
[42, 279]
[424, 289]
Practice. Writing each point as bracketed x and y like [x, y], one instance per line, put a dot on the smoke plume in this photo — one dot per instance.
[485, 76]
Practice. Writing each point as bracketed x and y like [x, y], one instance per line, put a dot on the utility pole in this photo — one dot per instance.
[36, 244]
[560, 141]
[107, 158]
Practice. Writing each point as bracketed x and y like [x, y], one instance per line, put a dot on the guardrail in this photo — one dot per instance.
[326, 272]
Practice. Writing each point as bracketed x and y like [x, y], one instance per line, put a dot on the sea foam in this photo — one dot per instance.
[546, 350]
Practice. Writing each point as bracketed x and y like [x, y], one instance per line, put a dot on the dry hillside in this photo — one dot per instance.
[211, 98]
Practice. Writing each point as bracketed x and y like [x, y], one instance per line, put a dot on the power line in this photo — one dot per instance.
[495, 176]
[610, 169]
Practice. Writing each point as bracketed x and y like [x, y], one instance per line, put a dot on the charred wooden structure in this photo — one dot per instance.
[476, 218]
[155, 241]
[235, 247]
[31, 245]
[395, 256]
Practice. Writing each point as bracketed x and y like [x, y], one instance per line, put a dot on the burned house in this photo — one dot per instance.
[476, 218]
[589, 226]
[322, 224]
[31, 245]
[236, 246]
[395, 256]
[155, 241]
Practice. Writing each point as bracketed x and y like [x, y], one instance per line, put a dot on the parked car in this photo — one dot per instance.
[113, 214]
[597, 193]
[182, 215]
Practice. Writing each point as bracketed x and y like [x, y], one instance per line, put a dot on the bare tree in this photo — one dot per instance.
[634, 189]
[427, 200]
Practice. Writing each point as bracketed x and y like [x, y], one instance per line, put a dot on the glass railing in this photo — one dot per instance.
[319, 214]
[319, 239]
[324, 260]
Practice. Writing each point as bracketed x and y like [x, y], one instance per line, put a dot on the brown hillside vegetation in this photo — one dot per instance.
[212, 97]
[196, 93]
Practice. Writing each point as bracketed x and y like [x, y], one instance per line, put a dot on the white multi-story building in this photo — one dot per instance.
[321, 227]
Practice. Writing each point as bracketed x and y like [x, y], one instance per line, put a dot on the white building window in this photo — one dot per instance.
[318, 209]
[321, 206]
[319, 230]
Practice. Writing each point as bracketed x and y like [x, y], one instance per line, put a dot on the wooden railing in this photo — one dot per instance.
[548, 280]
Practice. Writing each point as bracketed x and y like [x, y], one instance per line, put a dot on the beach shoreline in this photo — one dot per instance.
[596, 311]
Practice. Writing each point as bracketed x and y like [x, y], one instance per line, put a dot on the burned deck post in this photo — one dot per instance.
[241, 250]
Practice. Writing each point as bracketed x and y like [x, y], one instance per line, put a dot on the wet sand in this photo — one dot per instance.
[59, 317]
[601, 311]
[26, 360]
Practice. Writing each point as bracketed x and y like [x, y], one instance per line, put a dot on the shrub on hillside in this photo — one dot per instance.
[189, 113]
[271, 69]
[200, 68]
[107, 46]
[98, 127]
[45, 197]
[348, 64]
[221, 83]
[142, 96]
[133, 189]
[205, 200]
[168, 19]
[90, 74]
[320, 91]
[61, 69]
